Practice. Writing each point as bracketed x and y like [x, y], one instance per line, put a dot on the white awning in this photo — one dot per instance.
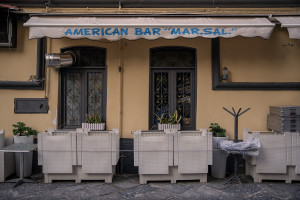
[292, 24]
[150, 28]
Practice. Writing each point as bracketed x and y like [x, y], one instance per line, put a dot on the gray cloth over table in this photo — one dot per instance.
[244, 148]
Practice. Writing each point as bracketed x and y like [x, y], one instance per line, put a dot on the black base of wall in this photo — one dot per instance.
[126, 161]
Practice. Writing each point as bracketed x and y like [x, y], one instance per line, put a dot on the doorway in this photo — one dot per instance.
[173, 84]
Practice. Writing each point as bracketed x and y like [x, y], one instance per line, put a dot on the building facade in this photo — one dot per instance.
[137, 60]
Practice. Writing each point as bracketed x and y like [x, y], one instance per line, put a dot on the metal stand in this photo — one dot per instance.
[236, 122]
[21, 180]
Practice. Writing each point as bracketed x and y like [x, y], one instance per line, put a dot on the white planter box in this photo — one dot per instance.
[23, 139]
[163, 127]
[57, 153]
[278, 157]
[27, 156]
[216, 141]
[172, 155]
[94, 126]
[98, 154]
[153, 152]
[79, 155]
[192, 154]
[218, 169]
[97, 151]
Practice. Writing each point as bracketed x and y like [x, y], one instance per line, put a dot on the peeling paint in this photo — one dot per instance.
[55, 118]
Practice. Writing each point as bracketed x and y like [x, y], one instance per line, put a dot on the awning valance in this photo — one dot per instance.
[150, 28]
[292, 23]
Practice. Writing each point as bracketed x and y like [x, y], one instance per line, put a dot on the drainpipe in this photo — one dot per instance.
[121, 86]
[38, 83]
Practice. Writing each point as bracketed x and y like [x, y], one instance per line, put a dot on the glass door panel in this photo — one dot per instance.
[183, 97]
[73, 99]
[161, 94]
[95, 93]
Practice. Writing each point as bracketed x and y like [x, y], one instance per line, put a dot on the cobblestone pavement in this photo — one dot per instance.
[128, 187]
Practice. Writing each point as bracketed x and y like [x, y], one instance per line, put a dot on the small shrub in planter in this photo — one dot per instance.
[217, 130]
[20, 129]
[23, 133]
[170, 122]
[93, 122]
[219, 134]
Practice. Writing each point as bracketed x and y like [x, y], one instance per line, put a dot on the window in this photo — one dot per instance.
[8, 33]
[83, 87]
[172, 84]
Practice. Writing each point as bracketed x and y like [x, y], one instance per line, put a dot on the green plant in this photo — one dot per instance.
[171, 119]
[20, 129]
[217, 130]
[93, 118]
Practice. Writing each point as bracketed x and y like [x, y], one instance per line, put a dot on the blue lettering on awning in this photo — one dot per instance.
[147, 31]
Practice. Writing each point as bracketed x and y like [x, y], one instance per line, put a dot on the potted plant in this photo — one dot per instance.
[170, 122]
[93, 122]
[23, 135]
[218, 169]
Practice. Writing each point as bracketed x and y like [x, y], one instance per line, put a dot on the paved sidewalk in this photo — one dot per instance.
[128, 187]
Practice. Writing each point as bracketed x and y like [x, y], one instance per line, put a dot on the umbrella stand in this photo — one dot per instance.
[236, 122]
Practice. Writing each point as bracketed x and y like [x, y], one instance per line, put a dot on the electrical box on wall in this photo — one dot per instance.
[31, 105]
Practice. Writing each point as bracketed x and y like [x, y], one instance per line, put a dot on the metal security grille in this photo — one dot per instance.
[95, 93]
[183, 96]
[73, 99]
[161, 93]
[172, 85]
[83, 94]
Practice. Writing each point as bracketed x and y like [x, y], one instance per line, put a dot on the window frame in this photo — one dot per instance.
[172, 87]
[11, 24]
[84, 88]
[217, 84]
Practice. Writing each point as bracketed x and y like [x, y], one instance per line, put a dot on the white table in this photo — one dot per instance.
[20, 148]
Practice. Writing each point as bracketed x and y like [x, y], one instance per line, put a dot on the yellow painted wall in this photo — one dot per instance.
[239, 54]
[17, 64]
[210, 102]
[262, 60]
